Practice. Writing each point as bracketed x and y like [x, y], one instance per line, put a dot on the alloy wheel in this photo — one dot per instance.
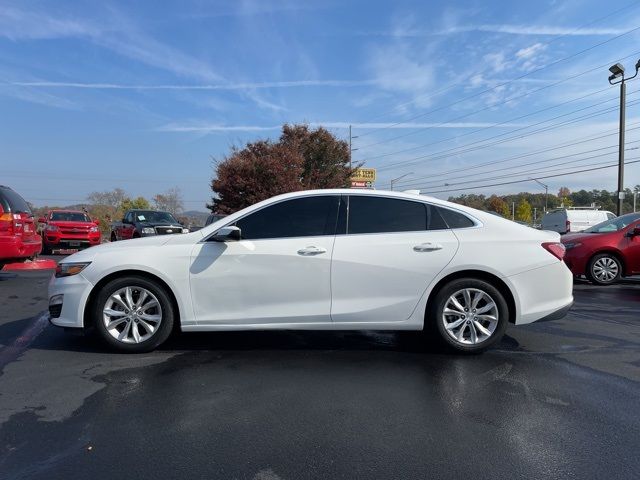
[605, 269]
[132, 314]
[470, 316]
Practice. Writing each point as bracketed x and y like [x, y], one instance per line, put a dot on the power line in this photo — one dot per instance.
[476, 187]
[436, 183]
[500, 85]
[545, 169]
[559, 146]
[456, 150]
[545, 44]
[419, 147]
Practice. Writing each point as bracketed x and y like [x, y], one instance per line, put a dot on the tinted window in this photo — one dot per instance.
[69, 217]
[12, 202]
[455, 219]
[301, 217]
[378, 215]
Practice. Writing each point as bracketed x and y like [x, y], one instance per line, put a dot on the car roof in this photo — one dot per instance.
[64, 210]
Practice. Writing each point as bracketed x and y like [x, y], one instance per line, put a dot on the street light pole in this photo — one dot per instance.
[546, 192]
[617, 72]
[399, 178]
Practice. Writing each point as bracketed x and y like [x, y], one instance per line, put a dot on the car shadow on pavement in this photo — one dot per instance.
[54, 338]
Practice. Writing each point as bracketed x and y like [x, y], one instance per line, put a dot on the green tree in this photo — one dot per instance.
[523, 211]
[140, 203]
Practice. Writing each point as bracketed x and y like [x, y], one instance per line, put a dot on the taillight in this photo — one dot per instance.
[568, 225]
[556, 249]
[6, 224]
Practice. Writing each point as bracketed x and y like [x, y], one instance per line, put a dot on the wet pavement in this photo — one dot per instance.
[553, 400]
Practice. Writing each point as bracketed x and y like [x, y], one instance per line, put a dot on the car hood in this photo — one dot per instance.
[584, 237]
[159, 224]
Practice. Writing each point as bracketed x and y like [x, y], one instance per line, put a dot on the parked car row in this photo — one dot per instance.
[22, 238]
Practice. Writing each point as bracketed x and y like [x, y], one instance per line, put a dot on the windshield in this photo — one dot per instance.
[156, 217]
[69, 217]
[614, 224]
[12, 202]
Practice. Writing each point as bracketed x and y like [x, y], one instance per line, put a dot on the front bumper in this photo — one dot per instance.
[75, 291]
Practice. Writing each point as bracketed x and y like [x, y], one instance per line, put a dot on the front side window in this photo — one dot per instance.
[299, 217]
[369, 214]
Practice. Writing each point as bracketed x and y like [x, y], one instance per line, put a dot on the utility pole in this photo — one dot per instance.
[513, 211]
[351, 137]
[617, 71]
[635, 195]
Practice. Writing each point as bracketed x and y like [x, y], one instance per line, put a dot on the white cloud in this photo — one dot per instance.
[531, 51]
[510, 29]
[194, 127]
[221, 86]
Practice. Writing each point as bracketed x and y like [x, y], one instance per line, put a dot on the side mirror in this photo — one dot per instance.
[42, 220]
[634, 232]
[227, 234]
[124, 220]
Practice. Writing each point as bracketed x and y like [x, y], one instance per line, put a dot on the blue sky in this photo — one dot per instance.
[145, 95]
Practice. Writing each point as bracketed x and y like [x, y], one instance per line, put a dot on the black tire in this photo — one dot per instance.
[435, 322]
[604, 269]
[45, 249]
[113, 237]
[160, 334]
[135, 235]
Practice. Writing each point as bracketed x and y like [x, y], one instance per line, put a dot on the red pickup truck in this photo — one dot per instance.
[68, 229]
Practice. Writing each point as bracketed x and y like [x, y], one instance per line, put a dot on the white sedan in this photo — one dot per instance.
[321, 260]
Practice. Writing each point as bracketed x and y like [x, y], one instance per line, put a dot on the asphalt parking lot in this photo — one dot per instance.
[554, 400]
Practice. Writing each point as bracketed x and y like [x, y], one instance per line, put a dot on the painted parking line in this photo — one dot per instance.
[12, 351]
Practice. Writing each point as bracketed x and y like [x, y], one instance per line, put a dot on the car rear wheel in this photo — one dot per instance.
[469, 315]
[604, 269]
[133, 314]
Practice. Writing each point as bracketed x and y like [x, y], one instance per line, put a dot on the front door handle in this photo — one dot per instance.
[311, 250]
[427, 247]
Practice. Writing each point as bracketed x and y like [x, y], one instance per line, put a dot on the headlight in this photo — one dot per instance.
[69, 269]
[185, 230]
[148, 231]
[51, 228]
[569, 246]
[93, 229]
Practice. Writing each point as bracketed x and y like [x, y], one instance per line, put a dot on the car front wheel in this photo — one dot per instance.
[469, 315]
[604, 269]
[133, 314]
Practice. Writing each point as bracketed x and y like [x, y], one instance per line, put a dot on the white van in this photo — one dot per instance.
[574, 219]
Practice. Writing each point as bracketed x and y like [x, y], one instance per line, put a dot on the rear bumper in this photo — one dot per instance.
[14, 247]
[558, 314]
[542, 292]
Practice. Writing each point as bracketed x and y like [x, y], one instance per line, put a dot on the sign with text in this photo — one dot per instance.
[361, 184]
[364, 175]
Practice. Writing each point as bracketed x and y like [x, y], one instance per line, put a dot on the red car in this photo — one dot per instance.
[19, 239]
[68, 229]
[605, 252]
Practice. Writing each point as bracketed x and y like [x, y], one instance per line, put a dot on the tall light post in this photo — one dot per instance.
[399, 178]
[617, 76]
[351, 150]
[546, 192]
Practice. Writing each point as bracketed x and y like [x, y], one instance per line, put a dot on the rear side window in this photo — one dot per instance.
[386, 215]
[12, 202]
[300, 217]
[610, 216]
[455, 219]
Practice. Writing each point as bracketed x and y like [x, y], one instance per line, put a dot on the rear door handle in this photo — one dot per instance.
[427, 247]
[311, 250]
